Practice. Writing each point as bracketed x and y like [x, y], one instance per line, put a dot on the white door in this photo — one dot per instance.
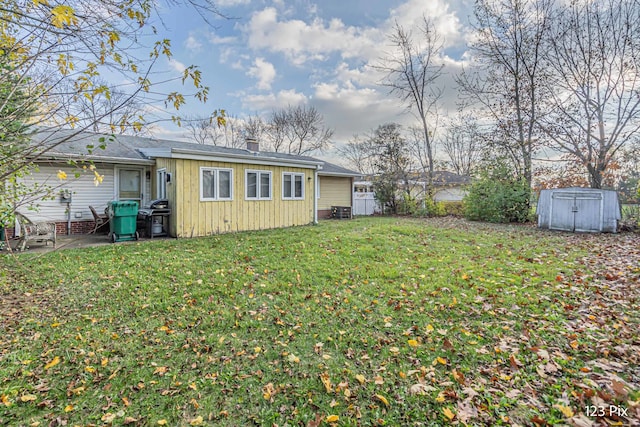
[130, 184]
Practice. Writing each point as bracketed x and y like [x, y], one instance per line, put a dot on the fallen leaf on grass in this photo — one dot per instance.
[53, 363]
[581, 421]
[268, 391]
[161, 370]
[382, 399]
[420, 389]
[515, 363]
[466, 411]
[292, 358]
[458, 376]
[198, 421]
[619, 388]
[332, 418]
[108, 417]
[361, 379]
[448, 413]
[326, 381]
[28, 397]
[566, 411]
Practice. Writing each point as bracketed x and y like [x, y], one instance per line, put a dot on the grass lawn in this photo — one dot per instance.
[374, 321]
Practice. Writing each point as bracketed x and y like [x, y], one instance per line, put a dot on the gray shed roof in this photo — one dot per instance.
[65, 143]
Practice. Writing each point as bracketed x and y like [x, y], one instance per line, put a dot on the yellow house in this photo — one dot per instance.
[209, 189]
[218, 191]
[335, 188]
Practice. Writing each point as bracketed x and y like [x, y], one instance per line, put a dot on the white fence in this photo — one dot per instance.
[365, 204]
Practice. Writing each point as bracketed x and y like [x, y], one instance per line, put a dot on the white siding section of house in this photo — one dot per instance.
[83, 189]
[454, 194]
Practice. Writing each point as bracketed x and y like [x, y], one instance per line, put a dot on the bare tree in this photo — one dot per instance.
[412, 71]
[277, 130]
[357, 155]
[505, 82]
[229, 132]
[115, 114]
[298, 130]
[462, 143]
[201, 130]
[595, 81]
[255, 127]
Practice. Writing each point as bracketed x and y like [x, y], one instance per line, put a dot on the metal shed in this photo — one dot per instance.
[579, 209]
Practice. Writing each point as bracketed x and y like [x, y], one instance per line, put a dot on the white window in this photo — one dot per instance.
[258, 185]
[293, 186]
[216, 184]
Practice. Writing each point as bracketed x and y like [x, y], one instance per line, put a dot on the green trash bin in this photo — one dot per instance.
[122, 220]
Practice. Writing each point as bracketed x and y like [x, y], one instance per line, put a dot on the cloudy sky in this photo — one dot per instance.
[275, 53]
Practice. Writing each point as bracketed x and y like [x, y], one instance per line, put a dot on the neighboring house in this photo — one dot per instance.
[447, 186]
[210, 189]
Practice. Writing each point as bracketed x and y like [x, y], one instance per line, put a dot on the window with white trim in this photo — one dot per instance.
[293, 186]
[216, 184]
[161, 183]
[258, 185]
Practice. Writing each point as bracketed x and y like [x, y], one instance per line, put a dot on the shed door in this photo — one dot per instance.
[588, 216]
[576, 212]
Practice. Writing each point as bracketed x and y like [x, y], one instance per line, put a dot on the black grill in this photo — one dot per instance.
[155, 217]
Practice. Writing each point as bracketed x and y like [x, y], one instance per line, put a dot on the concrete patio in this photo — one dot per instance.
[72, 241]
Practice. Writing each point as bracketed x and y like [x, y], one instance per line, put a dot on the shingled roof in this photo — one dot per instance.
[65, 144]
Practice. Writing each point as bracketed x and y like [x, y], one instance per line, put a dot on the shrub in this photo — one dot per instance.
[434, 208]
[453, 208]
[498, 196]
[630, 218]
[408, 205]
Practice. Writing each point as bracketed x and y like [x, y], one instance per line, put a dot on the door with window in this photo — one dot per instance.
[130, 184]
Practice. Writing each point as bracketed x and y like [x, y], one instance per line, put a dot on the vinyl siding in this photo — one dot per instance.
[83, 189]
[84, 193]
[334, 191]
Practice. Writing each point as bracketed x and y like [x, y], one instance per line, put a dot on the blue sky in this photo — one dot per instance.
[276, 53]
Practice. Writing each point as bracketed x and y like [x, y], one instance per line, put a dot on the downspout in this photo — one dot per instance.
[315, 194]
[352, 179]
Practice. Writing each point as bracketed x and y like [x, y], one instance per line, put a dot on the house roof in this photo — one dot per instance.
[440, 179]
[444, 178]
[65, 144]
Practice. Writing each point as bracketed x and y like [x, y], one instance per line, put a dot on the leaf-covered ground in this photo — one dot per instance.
[376, 321]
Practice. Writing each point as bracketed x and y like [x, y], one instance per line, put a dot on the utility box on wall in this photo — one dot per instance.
[579, 209]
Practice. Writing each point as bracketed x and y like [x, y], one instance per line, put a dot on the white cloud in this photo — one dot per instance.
[410, 15]
[177, 65]
[229, 3]
[302, 42]
[264, 71]
[346, 92]
[266, 103]
[217, 40]
[192, 44]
